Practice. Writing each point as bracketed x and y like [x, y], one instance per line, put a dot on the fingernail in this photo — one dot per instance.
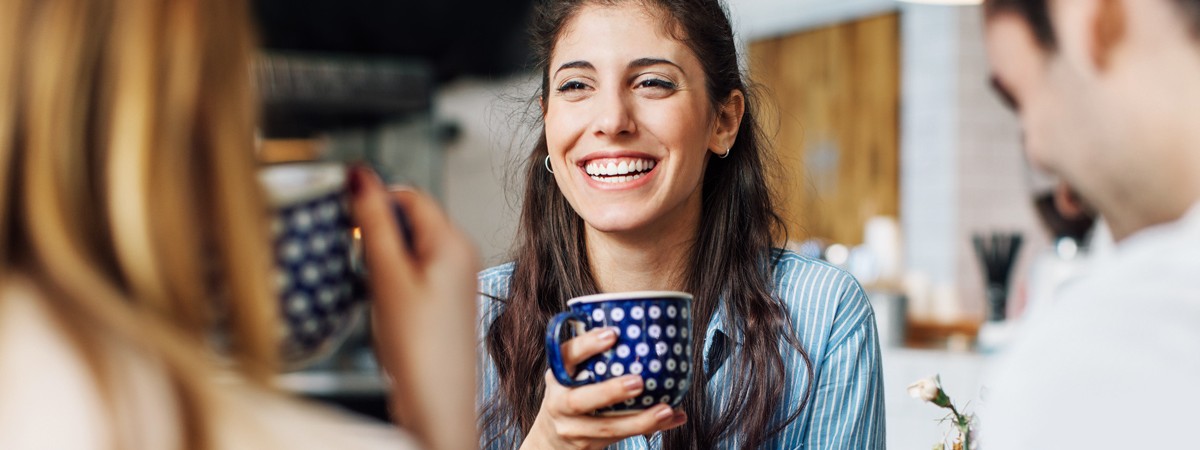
[607, 335]
[663, 413]
[632, 383]
[402, 188]
[680, 417]
[354, 179]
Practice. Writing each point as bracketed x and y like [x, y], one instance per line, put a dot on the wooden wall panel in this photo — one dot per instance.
[831, 112]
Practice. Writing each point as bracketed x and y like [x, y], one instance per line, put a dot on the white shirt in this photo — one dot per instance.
[49, 400]
[1114, 362]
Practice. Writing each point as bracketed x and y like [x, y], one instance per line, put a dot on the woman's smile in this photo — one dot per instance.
[618, 172]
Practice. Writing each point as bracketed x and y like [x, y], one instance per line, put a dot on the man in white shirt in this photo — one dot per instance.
[1108, 94]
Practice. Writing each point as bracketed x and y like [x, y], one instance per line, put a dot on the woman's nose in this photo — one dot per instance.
[613, 117]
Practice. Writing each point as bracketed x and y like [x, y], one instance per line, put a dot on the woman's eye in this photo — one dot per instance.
[656, 83]
[572, 86]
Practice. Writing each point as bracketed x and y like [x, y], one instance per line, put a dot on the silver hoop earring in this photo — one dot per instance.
[726, 154]
[547, 161]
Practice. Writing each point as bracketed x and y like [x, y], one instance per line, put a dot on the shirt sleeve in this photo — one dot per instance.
[493, 284]
[847, 403]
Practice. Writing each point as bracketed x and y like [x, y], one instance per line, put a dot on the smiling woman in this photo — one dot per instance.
[622, 193]
[638, 99]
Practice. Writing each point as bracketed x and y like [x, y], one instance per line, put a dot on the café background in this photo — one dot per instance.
[884, 109]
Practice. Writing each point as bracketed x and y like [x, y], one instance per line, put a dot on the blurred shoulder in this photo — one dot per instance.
[251, 417]
[45, 381]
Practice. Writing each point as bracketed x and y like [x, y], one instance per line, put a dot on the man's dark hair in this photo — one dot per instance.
[1037, 13]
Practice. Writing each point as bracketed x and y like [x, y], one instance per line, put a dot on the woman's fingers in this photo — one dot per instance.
[587, 345]
[573, 408]
[588, 398]
[382, 243]
[428, 220]
[566, 418]
[419, 297]
[657, 418]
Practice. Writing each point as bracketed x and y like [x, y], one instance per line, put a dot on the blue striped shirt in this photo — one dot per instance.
[836, 326]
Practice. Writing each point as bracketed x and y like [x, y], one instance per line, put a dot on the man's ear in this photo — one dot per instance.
[1107, 29]
[729, 120]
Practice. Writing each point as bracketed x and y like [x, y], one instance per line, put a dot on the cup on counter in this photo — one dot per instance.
[321, 291]
[653, 340]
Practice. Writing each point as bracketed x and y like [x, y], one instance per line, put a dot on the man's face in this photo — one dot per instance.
[1111, 108]
[1051, 100]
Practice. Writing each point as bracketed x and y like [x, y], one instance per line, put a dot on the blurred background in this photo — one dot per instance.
[898, 163]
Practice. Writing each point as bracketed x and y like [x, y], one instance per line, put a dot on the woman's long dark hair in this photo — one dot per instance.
[732, 257]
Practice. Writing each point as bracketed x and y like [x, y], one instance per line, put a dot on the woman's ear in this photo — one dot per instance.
[729, 120]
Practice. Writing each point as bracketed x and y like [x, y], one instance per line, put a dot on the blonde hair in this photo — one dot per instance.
[127, 186]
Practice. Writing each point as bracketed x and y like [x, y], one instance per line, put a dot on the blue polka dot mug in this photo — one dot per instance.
[652, 341]
[321, 292]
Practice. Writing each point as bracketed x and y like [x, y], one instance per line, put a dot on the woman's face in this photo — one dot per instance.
[628, 121]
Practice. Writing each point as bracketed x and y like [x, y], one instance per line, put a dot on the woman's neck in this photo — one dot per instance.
[655, 257]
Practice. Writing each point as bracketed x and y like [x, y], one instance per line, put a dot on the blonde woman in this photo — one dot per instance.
[126, 170]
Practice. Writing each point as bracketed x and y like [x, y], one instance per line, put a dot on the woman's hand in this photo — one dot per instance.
[565, 420]
[423, 311]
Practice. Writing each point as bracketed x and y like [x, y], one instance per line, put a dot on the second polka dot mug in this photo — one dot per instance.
[653, 340]
[321, 293]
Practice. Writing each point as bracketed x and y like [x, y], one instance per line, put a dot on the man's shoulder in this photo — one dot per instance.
[1117, 363]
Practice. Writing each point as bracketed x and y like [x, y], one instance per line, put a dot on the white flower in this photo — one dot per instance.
[925, 389]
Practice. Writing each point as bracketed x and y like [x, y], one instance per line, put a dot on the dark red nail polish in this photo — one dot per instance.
[354, 180]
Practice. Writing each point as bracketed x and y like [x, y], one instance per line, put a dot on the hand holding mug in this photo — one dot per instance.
[423, 310]
[625, 374]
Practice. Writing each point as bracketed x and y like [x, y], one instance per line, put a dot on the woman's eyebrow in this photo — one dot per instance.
[635, 64]
[647, 62]
[575, 65]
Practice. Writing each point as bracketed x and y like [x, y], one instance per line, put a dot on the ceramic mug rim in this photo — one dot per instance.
[630, 295]
[314, 179]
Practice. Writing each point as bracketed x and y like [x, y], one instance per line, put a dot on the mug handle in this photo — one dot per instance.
[554, 348]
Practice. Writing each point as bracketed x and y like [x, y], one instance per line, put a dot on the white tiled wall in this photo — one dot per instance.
[929, 139]
[962, 168]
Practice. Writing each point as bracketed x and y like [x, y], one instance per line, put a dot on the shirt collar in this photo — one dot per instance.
[1166, 234]
[716, 339]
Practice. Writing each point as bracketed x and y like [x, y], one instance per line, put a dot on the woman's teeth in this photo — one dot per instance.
[619, 172]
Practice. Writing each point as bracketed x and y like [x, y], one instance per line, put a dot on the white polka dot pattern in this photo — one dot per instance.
[649, 345]
[320, 294]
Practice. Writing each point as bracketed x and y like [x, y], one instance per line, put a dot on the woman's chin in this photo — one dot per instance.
[615, 221]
